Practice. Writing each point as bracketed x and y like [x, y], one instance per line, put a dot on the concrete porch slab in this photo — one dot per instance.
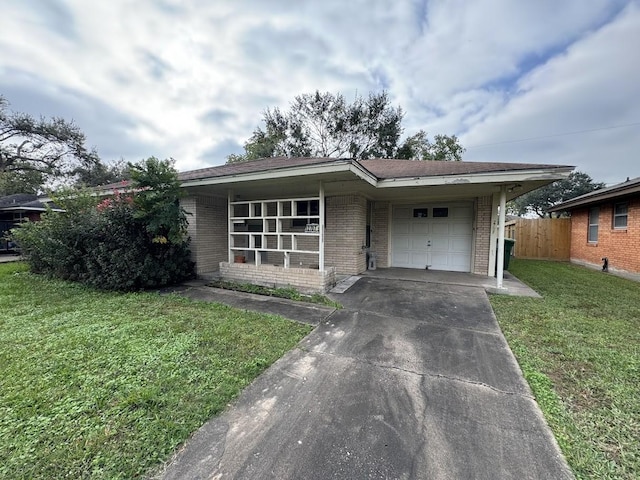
[512, 286]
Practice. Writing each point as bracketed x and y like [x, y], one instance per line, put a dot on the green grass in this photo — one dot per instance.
[106, 385]
[289, 293]
[579, 349]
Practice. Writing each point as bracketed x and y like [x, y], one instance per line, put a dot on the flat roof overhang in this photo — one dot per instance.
[28, 209]
[345, 177]
[273, 183]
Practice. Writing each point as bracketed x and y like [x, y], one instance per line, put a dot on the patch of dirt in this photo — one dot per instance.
[569, 380]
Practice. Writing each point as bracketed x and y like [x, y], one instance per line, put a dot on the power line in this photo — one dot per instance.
[555, 135]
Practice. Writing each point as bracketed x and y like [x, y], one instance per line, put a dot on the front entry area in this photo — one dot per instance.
[432, 236]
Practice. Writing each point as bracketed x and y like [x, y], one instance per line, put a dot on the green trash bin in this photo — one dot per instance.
[508, 247]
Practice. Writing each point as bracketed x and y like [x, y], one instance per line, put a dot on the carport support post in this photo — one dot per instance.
[500, 252]
[230, 224]
[321, 239]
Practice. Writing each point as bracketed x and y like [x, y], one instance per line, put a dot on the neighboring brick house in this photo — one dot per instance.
[301, 221]
[606, 224]
[15, 209]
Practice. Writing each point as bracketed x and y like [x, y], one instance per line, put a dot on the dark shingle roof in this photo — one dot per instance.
[25, 201]
[263, 164]
[380, 168]
[17, 200]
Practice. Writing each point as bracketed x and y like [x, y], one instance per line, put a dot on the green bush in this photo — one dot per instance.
[114, 243]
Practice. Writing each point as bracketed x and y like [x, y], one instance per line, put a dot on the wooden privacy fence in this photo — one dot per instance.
[543, 238]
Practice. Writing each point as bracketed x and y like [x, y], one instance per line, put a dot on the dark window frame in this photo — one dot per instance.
[420, 213]
[440, 212]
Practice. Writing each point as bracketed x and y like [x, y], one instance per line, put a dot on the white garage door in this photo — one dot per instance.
[435, 236]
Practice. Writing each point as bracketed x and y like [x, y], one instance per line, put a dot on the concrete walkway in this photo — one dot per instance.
[9, 257]
[298, 311]
[411, 380]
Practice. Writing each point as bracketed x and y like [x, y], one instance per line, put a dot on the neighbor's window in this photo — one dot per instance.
[594, 215]
[620, 215]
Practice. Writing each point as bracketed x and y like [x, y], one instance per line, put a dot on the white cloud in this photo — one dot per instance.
[190, 79]
[593, 85]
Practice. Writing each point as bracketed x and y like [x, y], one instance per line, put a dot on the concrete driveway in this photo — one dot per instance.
[409, 380]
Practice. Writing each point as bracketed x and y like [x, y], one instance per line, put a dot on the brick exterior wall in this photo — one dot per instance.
[482, 236]
[305, 280]
[620, 246]
[380, 232]
[208, 231]
[345, 234]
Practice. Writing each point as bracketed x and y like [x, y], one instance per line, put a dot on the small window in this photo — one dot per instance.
[594, 217]
[420, 212]
[440, 212]
[620, 215]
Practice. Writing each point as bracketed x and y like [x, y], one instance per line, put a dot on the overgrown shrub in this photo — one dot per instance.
[131, 240]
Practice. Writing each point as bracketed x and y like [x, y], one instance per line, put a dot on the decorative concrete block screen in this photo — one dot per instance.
[283, 232]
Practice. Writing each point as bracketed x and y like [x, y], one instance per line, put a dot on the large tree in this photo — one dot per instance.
[53, 148]
[326, 125]
[26, 181]
[101, 173]
[540, 200]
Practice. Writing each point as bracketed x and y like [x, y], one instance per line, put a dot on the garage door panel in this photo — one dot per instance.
[461, 229]
[440, 243]
[420, 227]
[402, 212]
[402, 228]
[461, 212]
[418, 243]
[440, 228]
[459, 244]
[419, 259]
[402, 258]
[458, 262]
[439, 262]
[402, 243]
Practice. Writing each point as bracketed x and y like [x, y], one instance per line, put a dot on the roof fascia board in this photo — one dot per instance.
[364, 174]
[361, 172]
[476, 178]
[305, 170]
[30, 209]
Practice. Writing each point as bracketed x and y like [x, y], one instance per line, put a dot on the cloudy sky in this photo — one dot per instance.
[542, 81]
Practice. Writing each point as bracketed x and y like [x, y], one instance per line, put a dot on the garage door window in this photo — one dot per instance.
[440, 212]
[420, 212]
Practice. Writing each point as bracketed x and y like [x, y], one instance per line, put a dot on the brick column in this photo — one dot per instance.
[345, 234]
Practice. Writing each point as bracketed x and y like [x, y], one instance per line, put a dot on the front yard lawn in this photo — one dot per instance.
[106, 385]
[579, 348]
